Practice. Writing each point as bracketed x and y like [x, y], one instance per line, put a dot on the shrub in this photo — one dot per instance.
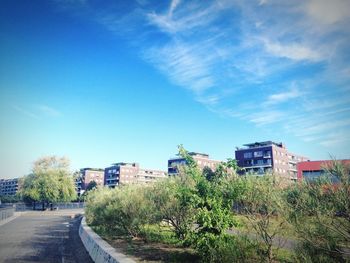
[121, 211]
[320, 213]
[171, 200]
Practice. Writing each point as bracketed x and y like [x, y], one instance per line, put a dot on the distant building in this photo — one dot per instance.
[149, 176]
[92, 174]
[9, 186]
[86, 176]
[268, 157]
[121, 173]
[130, 173]
[311, 170]
[201, 159]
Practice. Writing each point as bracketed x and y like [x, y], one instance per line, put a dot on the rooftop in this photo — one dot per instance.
[193, 154]
[262, 144]
[91, 169]
[199, 154]
[125, 164]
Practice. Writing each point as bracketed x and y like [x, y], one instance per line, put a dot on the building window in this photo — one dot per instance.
[267, 154]
[248, 155]
[258, 154]
[260, 162]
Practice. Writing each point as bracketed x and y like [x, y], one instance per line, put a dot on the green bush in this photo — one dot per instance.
[320, 214]
[121, 211]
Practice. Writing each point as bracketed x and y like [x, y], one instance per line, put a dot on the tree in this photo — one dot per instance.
[211, 207]
[50, 181]
[262, 204]
[171, 201]
[91, 185]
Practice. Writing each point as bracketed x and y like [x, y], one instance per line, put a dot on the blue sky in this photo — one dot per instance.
[109, 81]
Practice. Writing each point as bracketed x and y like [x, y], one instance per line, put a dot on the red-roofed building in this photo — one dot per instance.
[311, 170]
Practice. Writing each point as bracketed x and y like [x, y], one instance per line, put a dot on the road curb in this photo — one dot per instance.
[99, 250]
[5, 221]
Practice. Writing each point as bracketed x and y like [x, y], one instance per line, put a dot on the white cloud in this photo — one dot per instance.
[190, 16]
[49, 111]
[38, 111]
[328, 11]
[238, 45]
[173, 5]
[265, 117]
[293, 51]
[26, 112]
[283, 96]
[263, 2]
[324, 127]
[210, 100]
[183, 65]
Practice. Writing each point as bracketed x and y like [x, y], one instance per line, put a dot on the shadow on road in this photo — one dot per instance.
[51, 239]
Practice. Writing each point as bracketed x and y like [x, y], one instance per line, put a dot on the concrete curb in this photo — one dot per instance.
[16, 214]
[99, 250]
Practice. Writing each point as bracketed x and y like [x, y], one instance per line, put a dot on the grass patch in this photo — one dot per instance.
[287, 231]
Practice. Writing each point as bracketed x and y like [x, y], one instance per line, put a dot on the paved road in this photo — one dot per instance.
[50, 236]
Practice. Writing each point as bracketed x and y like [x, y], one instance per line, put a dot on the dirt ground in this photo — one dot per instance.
[141, 251]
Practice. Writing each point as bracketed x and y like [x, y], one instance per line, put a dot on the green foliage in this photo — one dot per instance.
[10, 198]
[320, 213]
[50, 181]
[208, 197]
[195, 209]
[172, 203]
[262, 202]
[160, 233]
[91, 185]
[122, 211]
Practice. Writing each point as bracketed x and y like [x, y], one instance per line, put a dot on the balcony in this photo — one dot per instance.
[259, 165]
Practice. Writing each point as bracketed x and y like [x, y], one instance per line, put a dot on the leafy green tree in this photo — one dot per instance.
[171, 202]
[212, 207]
[50, 181]
[10, 198]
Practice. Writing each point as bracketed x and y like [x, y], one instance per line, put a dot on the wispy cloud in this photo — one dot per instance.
[25, 112]
[283, 96]
[293, 51]
[328, 12]
[265, 117]
[37, 111]
[49, 111]
[184, 65]
[231, 54]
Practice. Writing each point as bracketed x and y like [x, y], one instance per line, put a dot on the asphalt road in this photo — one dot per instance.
[49, 236]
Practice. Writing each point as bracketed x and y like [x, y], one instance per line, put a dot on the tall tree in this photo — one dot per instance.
[49, 182]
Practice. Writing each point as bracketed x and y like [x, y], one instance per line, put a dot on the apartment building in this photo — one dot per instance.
[147, 176]
[311, 170]
[201, 159]
[9, 186]
[129, 173]
[121, 173]
[268, 157]
[92, 174]
[87, 175]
